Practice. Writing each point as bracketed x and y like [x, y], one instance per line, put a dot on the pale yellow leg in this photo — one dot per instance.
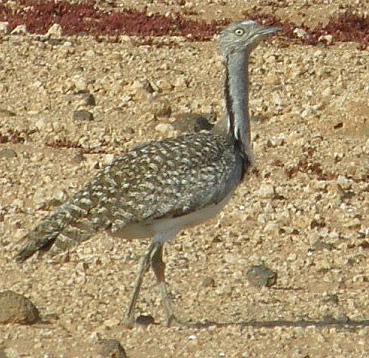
[158, 267]
[129, 318]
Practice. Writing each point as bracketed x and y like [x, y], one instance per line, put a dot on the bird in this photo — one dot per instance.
[163, 187]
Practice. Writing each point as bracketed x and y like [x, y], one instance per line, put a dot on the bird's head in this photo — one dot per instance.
[243, 36]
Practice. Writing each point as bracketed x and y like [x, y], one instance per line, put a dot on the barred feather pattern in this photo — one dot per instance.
[163, 179]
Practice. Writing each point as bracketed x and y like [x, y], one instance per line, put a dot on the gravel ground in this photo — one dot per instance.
[303, 211]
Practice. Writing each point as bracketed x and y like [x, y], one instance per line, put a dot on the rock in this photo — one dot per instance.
[139, 89]
[301, 33]
[8, 153]
[164, 128]
[266, 191]
[275, 142]
[328, 39]
[82, 115]
[208, 282]
[20, 30]
[78, 158]
[55, 31]
[159, 107]
[271, 227]
[145, 320]
[86, 98]
[4, 27]
[193, 122]
[112, 349]
[164, 85]
[11, 353]
[321, 245]
[112, 322]
[260, 275]
[15, 308]
[6, 113]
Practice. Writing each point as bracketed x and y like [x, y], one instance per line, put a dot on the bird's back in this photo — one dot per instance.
[170, 178]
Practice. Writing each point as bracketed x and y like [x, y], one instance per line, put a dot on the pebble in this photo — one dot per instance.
[4, 27]
[193, 122]
[145, 320]
[159, 107]
[266, 191]
[15, 308]
[6, 113]
[164, 128]
[208, 282]
[261, 276]
[8, 153]
[82, 115]
[20, 30]
[55, 31]
[112, 348]
[301, 33]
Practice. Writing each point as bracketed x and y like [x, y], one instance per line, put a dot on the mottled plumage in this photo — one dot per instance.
[165, 186]
[163, 179]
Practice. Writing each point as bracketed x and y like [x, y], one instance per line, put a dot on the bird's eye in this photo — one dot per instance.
[239, 32]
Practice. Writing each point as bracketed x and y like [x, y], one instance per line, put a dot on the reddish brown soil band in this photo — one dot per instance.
[86, 18]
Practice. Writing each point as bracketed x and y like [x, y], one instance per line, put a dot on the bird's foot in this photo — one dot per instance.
[172, 321]
[128, 322]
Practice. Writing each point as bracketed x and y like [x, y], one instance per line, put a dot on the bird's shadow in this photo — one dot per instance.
[345, 324]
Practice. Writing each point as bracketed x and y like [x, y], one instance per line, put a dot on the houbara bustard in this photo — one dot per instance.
[164, 186]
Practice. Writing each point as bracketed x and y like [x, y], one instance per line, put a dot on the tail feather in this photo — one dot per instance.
[65, 227]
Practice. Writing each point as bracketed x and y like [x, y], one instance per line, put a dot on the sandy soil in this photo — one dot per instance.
[303, 212]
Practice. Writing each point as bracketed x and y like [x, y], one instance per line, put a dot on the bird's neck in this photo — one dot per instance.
[237, 101]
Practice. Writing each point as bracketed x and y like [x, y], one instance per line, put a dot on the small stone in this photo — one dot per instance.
[139, 89]
[112, 349]
[301, 33]
[20, 30]
[4, 27]
[344, 183]
[112, 322]
[275, 142]
[272, 79]
[164, 128]
[145, 320]
[332, 298]
[6, 113]
[82, 115]
[208, 282]
[11, 353]
[231, 259]
[328, 39]
[78, 158]
[55, 30]
[108, 159]
[260, 275]
[159, 107]
[8, 153]
[193, 122]
[164, 85]
[86, 98]
[180, 82]
[321, 245]
[80, 83]
[266, 191]
[15, 308]
[271, 228]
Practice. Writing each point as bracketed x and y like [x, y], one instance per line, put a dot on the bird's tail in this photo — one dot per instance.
[68, 225]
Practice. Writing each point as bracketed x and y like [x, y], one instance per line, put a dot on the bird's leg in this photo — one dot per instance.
[142, 269]
[158, 267]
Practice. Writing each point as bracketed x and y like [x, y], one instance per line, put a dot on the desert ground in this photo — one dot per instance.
[70, 103]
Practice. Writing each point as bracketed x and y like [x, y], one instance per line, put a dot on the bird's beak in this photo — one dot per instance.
[263, 31]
